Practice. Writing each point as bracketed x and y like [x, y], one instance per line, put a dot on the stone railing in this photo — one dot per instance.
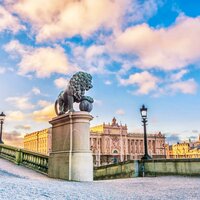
[35, 161]
[154, 167]
[184, 167]
[126, 169]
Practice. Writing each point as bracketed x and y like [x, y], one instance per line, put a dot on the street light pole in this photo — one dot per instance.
[2, 117]
[143, 112]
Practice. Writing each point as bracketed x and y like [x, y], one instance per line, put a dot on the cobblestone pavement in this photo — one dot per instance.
[19, 183]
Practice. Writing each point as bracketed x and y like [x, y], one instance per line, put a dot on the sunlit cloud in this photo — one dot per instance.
[13, 138]
[165, 48]
[186, 87]
[108, 82]
[45, 114]
[91, 59]
[23, 127]
[138, 11]
[60, 19]
[15, 116]
[120, 111]
[178, 75]
[145, 82]
[42, 61]
[36, 91]
[9, 22]
[43, 103]
[22, 103]
[2, 70]
[98, 102]
[94, 50]
[61, 82]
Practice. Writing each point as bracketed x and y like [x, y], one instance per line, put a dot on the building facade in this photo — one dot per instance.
[39, 141]
[110, 143]
[184, 150]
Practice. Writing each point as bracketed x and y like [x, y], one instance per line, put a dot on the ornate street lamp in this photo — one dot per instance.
[2, 117]
[143, 112]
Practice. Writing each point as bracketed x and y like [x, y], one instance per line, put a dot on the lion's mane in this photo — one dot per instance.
[79, 83]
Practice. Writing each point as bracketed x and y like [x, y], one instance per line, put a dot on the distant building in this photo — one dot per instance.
[109, 143]
[39, 141]
[112, 143]
[184, 150]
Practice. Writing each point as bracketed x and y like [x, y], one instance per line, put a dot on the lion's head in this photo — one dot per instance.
[79, 83]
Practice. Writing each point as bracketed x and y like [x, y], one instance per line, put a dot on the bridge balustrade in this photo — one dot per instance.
[35, 161]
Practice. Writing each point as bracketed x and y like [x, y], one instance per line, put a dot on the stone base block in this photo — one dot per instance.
[58, 166]
[81, 166]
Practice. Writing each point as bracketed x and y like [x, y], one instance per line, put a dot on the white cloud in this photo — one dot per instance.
[13, 138]
[2, 70]
[108, 82]
[178, 75]
[45, 114]
[166, 48]
[23, 127]
[21, 103]
[18, 49]
[91, 59]
[43, 103]
[144, 80]
[97, 102]
[186, 87]
[42, 61]
[15, 116]
[60, 19]
[94, 50]
[120, 112]
[9, 22]
[36, 91]
[139, 10]
[61, 82]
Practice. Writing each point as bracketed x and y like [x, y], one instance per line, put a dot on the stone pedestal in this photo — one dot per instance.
[71, 158]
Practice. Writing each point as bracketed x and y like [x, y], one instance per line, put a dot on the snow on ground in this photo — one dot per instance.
[19, 183]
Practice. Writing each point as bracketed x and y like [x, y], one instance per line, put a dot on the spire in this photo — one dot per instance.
[114, 121]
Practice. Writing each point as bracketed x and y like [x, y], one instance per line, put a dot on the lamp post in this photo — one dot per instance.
[143, 112]
[2, 117]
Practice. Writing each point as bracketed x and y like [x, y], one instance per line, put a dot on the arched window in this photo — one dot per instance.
[115, 151]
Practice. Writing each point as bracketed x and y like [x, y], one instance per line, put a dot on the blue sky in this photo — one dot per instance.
[138, 52]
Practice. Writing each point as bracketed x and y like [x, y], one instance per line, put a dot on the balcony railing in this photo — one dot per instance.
[35, 161]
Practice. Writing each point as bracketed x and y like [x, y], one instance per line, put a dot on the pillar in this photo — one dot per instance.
[71, 157]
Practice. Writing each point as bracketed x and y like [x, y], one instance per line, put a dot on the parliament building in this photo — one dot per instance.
[110, 143]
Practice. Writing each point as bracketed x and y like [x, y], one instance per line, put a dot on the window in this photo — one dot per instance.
[115, 151]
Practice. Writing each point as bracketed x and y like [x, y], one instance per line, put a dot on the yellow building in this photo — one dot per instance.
[39, 141]
[184, 150]
[180, 150]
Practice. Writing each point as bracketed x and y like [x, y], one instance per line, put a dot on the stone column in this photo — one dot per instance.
[71, 157]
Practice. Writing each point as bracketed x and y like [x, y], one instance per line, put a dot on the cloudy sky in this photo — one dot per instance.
[138, 52]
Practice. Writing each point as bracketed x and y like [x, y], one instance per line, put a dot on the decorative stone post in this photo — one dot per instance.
[71, 157]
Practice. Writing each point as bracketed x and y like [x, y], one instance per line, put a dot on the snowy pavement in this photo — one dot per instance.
[19, 183]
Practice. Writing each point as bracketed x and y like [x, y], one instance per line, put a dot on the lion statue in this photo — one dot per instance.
[74, 92]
